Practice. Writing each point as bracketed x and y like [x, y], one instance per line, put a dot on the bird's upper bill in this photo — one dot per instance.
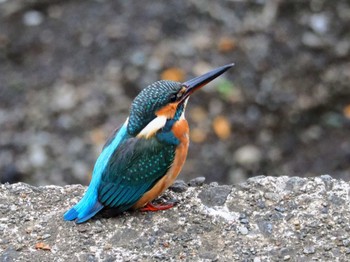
[200, 81]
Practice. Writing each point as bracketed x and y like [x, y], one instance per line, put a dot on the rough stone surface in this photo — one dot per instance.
[264, 219]
[198, 181]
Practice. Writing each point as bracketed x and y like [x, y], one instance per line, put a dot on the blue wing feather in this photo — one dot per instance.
[133, 170]
[126, 169]
[89, 205]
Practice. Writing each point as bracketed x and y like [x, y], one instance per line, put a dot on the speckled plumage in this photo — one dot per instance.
[132, 170]
[144, 156]
[144, 105]
[129, 166]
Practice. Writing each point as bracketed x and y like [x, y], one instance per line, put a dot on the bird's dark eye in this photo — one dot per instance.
[178, 95]
[173, 98]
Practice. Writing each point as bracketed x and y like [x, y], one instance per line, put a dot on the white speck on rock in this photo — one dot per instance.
[222, 212]
[257, 259]
[243, 230]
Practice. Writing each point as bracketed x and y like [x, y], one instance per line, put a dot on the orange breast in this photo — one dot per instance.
[181, 131]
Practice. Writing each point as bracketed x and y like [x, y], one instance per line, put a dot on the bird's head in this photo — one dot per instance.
[164, 100]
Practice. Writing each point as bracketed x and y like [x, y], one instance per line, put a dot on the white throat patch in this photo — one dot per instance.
[183, 112]
[152, 127]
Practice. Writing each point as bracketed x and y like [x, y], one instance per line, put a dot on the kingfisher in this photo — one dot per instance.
[144, 156]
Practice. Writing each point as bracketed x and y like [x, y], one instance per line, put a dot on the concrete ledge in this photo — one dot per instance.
[264, 219]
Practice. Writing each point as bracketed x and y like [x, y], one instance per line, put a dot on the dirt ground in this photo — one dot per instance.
[70, 69]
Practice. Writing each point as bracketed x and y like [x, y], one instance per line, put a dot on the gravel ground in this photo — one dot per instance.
[70, 69]
[263, 219]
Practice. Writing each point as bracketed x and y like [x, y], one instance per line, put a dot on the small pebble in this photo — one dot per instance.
[309, 250]
[327, 247]
[260, 203]
[280, 209]
[214, 196]
[244, 221]
[198, 181]
[214, 184]
[82, 229]
[265, 227]
[242, 215]
[98, 230]
[243, 230]
[212, 256]
[179, 186]
[45, 236]
[257, 259]
[346, 242]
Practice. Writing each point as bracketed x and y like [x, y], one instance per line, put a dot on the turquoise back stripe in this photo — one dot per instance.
[90, 197]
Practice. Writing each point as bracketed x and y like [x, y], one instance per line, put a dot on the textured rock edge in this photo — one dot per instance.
[263, 219]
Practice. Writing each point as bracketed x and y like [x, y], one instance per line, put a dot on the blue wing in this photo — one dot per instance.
[133, 170]
[89, 205]
[126, 169]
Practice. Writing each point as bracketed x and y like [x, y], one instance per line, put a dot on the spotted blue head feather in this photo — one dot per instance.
[150, 99]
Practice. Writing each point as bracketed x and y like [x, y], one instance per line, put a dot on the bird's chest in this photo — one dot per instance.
[176, 134]
[181, 131]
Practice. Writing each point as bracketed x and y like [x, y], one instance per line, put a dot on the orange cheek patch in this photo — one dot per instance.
[168, 111]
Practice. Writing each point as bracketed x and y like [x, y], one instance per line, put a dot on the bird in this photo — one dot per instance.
[143, 157]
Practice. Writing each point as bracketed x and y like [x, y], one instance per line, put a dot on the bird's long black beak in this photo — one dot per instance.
[200, 81]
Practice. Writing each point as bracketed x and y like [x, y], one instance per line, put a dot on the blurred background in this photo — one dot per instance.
[70, 69]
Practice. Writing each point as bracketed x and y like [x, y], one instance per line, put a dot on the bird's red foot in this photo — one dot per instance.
[153, 208]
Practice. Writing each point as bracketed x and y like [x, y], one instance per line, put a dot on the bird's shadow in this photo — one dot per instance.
[115, 212]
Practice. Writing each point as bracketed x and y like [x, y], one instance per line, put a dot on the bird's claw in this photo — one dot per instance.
[156, 207]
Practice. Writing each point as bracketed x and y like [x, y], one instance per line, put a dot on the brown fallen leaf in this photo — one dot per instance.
[226, 44]
[346, 111]
[198, 114]
[42, 246]
[197, 135]
[174, 74]
[98, 136]
[222, 127]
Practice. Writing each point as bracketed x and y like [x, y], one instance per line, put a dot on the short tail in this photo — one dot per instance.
[84, 210]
